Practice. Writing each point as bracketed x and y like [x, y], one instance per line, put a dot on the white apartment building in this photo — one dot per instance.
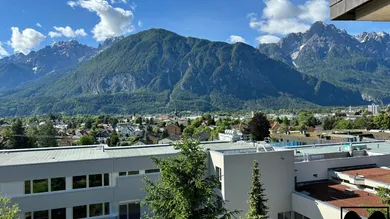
[100, 182]
[373, 108]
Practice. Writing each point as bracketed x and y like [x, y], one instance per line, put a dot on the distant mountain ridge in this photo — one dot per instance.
[157, 70]
[360, 63]
[18, 69]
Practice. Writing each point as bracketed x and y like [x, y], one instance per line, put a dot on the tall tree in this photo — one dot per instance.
[18, 138]
[257, 200]
[8, 211]
[114, 139]
[259, 127]
[47, 135]
[183, 191]
[86, 140]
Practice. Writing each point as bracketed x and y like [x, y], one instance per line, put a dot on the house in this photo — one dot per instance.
[173, 129]
[169, 140]
[203, 136]
[230, 135]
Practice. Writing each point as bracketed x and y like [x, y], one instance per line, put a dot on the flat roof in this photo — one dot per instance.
[334, 194]
[377, 174]
[79, 153]
[380, 147]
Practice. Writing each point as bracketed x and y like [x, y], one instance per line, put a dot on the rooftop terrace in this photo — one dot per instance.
[377, 174]
[334, 194]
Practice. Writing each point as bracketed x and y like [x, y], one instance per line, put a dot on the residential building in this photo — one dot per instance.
[173, 129]
[101, 182]
[373, 108]
[230, 135]
[363, 10]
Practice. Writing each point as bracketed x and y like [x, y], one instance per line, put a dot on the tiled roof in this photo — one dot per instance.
[334, 194]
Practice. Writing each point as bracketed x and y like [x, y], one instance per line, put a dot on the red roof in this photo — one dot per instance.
[377, 174]
[334, 194]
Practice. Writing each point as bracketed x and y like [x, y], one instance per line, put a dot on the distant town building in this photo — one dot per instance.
[374, 109]
[173, 129]
[230, 135]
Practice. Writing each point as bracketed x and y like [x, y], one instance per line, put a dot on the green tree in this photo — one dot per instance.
[47, 135]
[114, 139]
[328, 123]
[259, 127]
[88, 124]
[18, 138]
[286, 121]
[344, 124]
[86, 140]
[7, 210]
[165, 134]
[183, 191]
[257, 200]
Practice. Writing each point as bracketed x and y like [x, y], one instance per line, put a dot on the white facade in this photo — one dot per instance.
[230, 135]
[373, 108]
[102, 182]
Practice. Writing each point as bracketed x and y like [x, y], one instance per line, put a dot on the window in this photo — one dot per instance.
[122, 173]
[218, 173]
[106, 208]
[134, 211]
[106, 179]
[315, 175]
[41, 214]
[40, 185]
[79, 182]
[59, 213]
[95, 210]
[95, 180]
[58, 184]
[27, 187]
[79, 211]
[27, 215]
[130, 211]
[135, 172]
[152, 171]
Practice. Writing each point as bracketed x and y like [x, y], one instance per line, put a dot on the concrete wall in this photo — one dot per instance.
[277, 176]
[312, 208]
[121, 189]
[305, 170]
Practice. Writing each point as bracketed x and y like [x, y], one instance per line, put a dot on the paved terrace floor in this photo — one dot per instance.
[333, 193]
[377, 174]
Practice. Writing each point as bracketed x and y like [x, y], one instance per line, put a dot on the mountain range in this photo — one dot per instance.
[157, 70]
[19, 69]
[360, 63]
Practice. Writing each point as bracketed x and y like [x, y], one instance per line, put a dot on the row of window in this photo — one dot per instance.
[136, 172]
[59, 184]
[44, 185]
[78, 182]
[83, 211]
[289, 214]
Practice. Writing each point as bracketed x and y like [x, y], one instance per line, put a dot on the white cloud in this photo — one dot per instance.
[67, 32]
[140, 23]
[236, 39]
[38, 25]
[26, 40]
[72, 4]
[118, 1]
[282, 17]
[267, 39]
[133, 6]
[3, 52]
[113, 21]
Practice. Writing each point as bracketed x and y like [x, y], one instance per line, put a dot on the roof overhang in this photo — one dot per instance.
[361, 10]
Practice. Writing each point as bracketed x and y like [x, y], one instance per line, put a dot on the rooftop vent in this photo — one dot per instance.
[349, 192]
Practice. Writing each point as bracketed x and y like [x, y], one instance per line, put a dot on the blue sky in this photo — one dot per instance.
[90, 21]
